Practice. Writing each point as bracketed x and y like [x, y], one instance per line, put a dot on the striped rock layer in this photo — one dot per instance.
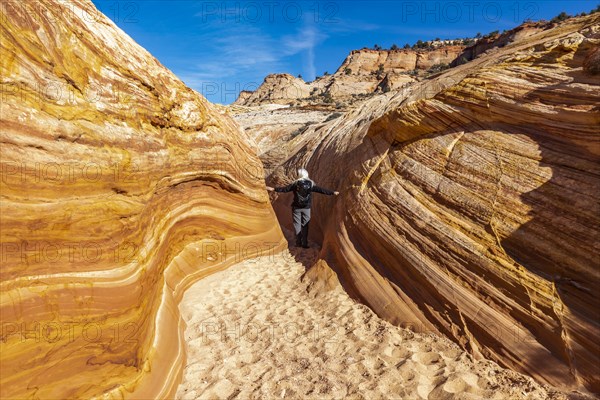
[469, 203]
[120, 188]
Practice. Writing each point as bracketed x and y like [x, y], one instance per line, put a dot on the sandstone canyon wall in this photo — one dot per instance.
[120, 187]
[469, 203]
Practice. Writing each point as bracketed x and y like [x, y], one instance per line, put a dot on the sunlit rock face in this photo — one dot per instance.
[120, 188]
[275, 89]
[470, 204]
[363, 72]
[367, 61]
[491, 42]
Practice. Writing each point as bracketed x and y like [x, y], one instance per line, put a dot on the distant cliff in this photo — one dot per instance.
[363, 72]
[276, 89]
[499, 40]
[367, 61]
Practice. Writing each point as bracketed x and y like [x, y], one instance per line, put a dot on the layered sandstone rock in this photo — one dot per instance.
[363, 72]
[492, 42]
[367, 61]
[469, 203]
[120, 187]
[275, 89]
[243, 96]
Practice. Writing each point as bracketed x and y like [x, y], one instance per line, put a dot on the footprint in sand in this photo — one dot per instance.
[400, 353]
[456, 385]
[353, 356]
[427, 358]
[407, 371]
[452, 354]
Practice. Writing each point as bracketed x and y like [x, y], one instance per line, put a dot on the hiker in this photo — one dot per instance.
[302, 188]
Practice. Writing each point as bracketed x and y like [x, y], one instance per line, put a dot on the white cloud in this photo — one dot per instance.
[241, 50]
[304, 41]
[351, 26]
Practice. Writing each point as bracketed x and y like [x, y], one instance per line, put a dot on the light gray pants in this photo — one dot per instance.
[301, 218]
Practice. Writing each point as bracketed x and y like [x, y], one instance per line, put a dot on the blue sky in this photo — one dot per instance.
[221, 47]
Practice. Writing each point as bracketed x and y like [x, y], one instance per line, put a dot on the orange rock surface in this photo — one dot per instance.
[469, 203]
[120, 187]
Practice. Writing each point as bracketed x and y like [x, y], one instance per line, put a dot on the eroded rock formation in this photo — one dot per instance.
[492, 42]
[120, 187]
[470, 204]
[367, 61]
[275, 89]
[363, 72]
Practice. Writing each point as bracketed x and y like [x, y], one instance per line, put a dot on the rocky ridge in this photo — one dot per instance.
[363, 72]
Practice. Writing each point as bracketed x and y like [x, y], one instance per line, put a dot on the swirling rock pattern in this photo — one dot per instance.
[470, 204]
[120, 188]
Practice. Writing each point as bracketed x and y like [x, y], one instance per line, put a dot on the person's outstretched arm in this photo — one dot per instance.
[282, 189]
[321, 190]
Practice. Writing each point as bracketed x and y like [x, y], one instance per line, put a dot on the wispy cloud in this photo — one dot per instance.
[241, 52]
[237, 56]
[350, 26]
[305, 42]
[230, 53]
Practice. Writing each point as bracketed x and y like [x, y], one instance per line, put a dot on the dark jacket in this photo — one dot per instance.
[301, 201]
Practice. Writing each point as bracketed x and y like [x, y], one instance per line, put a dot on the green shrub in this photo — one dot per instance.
[334, 115]
[563, 16]
[327, 97]
[438, 68]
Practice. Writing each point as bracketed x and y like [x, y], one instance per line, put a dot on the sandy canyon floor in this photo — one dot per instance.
[255, 331]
